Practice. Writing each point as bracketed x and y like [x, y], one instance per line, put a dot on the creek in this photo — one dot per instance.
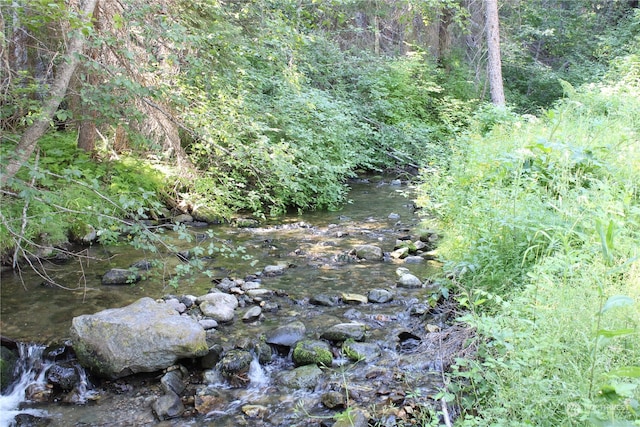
[411, 336]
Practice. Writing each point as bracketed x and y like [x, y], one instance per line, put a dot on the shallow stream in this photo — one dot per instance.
[316, 248]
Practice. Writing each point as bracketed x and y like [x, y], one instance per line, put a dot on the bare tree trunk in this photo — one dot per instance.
[494, 63]
[29, 138]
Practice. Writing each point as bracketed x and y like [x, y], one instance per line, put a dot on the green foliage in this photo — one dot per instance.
[542, 218]
[65, 189]
[544, 41]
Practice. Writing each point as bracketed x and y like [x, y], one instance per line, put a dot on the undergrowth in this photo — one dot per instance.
[542, 220]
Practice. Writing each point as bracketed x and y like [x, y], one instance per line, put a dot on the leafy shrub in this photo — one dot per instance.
[542, 224]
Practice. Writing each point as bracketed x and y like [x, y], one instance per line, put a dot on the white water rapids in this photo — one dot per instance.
[30, 372]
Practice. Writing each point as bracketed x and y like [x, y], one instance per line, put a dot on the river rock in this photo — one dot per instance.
[182, 218]
[252, 314]
[409, 281]
[357, 351]
[344, 331]
[369, 252]
[309, 352]
[234, 366]
[324, 300]
[287, 335]
[83, 233]
[351, 298]
[176, 305]
[226, 284]
[212, 358]
[274, 270]
[258, 293]
[8, 359]
[333, 399]
[218, 306]
[400, 253]
[209, 399]
[303, 377]
[173, 381]
[143, 264]
[254, 411]
[121, 276]
[246, 222]
[379, 296]
[208, 324]
[63, 375]
[206, 214]
[142, 337]
[168, 406]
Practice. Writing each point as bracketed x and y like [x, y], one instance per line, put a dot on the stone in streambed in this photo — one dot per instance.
[304, 377]
[309, 352]
[344, 331]
[218, 306]
[121, 276]
[369, 252]
[142, 337]
[287, 335]
[379, 296]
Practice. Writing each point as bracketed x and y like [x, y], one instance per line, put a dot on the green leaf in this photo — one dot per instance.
[606, 240]
[616, 301]
[615, 391]
[626, 371]
[615, 332]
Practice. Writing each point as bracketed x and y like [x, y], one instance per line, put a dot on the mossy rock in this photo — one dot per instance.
[8, 359]
[309, 352]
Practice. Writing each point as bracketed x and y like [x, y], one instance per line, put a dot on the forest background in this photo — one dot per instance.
[215, 108]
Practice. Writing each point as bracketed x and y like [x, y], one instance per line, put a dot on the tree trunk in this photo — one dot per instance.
[29, 138]
[87, 132]
[494, 63]
[444, 37]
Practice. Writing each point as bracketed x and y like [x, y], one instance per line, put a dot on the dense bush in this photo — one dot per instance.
[66, 189]
[542, 222]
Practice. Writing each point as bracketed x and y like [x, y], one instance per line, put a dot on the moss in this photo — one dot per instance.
[350, 352]
[312, 352]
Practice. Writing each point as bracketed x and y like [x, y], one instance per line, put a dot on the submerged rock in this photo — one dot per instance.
[142, 337]
[121, 276]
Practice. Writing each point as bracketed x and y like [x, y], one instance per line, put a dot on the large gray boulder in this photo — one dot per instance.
[143, 337]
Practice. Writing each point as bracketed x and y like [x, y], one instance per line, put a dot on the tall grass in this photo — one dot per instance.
[542, 224]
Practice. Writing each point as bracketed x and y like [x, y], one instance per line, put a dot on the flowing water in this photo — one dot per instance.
[314, 245]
